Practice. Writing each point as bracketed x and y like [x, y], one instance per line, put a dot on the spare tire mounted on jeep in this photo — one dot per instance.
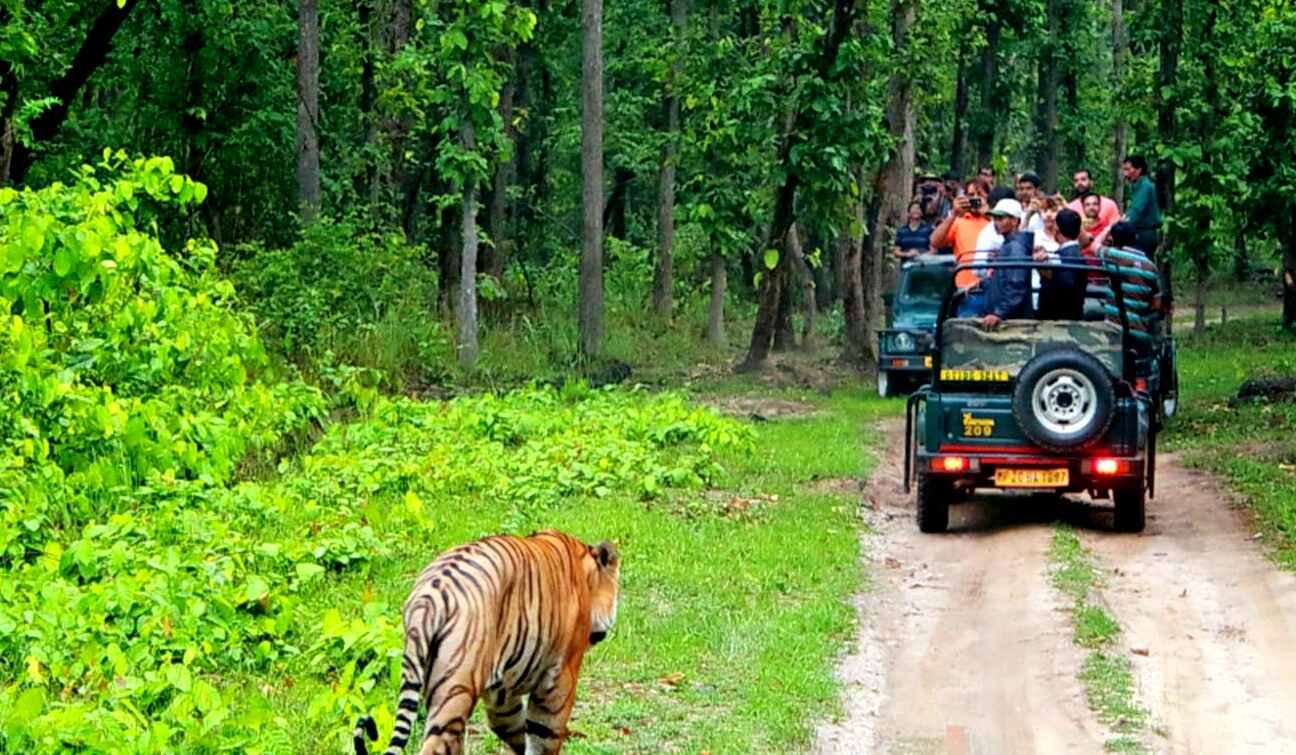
[1064, 400]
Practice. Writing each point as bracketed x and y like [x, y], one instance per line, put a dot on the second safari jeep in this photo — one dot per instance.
[905, 346]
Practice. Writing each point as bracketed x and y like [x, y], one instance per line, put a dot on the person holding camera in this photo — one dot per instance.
[931, 197]
[961, 230]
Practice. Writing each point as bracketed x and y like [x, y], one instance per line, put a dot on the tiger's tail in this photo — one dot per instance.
[364, 726]
[420, 654]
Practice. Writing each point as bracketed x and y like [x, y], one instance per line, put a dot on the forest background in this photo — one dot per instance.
[395, 182]
[242, 242]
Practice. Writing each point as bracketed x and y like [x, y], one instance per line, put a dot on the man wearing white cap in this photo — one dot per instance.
[1008, 289]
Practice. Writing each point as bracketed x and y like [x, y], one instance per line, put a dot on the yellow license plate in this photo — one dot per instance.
[926, 361]
[1032, 478]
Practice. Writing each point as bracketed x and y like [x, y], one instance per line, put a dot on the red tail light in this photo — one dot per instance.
[950, 464]
[1110, 466]
[1140, 384]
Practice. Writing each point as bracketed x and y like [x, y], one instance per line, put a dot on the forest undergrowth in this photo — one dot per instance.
[205, 547]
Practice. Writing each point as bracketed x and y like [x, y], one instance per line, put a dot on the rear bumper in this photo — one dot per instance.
[1083, 472]
[910, 364]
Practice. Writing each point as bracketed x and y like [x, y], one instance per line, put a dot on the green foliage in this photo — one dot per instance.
[120, 361]
[1250, 443]
[341, 294]
[133, 623]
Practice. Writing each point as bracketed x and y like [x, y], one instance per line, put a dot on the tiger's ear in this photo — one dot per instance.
[606, 553]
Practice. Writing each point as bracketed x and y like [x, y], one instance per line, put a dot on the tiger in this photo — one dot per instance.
[502, 618]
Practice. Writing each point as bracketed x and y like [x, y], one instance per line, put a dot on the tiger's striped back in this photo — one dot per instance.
[500, 619]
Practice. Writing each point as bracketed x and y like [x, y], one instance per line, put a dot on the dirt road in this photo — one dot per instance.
[966, 647]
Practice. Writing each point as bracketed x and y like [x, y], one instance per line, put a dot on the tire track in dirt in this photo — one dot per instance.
[1218, 621]
[966, 647]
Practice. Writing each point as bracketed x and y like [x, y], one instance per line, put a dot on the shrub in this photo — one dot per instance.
[362, 298]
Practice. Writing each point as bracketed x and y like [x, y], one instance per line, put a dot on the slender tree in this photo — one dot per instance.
[715, 312]
[308, 73]
[591, 269]
[894, 182]
[505, 172]
[468, 259]
[1048, 139]
[774, 278]
[664, 275]
[1120, 51]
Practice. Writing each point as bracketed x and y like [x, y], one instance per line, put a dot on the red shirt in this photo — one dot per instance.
[1108, 215]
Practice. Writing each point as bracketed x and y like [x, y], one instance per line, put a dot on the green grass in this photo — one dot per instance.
[735, 600]
[1252, 445]
[1107, 675]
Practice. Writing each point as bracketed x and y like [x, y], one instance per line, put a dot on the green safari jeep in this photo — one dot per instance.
[1033, 405]
[905, 346]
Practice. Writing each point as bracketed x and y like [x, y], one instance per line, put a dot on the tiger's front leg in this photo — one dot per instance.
[547, 713]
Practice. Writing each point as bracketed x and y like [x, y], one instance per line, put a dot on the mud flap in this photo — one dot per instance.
[911, 412]
[1150, 474]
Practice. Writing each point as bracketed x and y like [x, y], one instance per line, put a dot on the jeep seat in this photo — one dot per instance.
[967, 345]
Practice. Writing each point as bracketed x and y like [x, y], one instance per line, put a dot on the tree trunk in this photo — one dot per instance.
[1241, 254]
[1167, 130]
[9, 91]
[894, 183]
[772, 281]
[448, 266]
[664, 274]
[809, 305]
[591, 272]
[1046, 160]
[396, 176]
[958, 147]
[715, 316]
[1289, 270]
[1203, 177]
[614, 213]
[1076, 149]
[1199, 315]
[1120, 51]
[851, 250]
[308, 150]
[89, 57]
[989, 117]
[784, 335]
[500, 228]
[367, 182]
[191, 46]
[468, 259]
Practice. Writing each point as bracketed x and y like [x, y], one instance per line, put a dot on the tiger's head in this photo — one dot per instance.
[604, 584]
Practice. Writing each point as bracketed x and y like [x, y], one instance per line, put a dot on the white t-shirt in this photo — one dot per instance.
[988, 242]
[1035, 224]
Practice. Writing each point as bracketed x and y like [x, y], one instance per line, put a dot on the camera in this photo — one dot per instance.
[974, 202]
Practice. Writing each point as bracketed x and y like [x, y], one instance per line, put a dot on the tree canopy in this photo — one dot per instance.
[730, 127]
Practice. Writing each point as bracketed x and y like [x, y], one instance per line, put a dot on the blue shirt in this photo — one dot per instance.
[918, 239]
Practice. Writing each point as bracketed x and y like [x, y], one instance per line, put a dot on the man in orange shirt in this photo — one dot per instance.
[961, 228]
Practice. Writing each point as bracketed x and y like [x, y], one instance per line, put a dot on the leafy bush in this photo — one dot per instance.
[130, 390]
[339, 294]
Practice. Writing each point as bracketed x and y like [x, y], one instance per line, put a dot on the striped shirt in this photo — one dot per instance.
[1140, 287]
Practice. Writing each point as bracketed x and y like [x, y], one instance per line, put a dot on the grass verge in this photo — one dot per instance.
[1251, 444]
[735, 598]
[1107, 674]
